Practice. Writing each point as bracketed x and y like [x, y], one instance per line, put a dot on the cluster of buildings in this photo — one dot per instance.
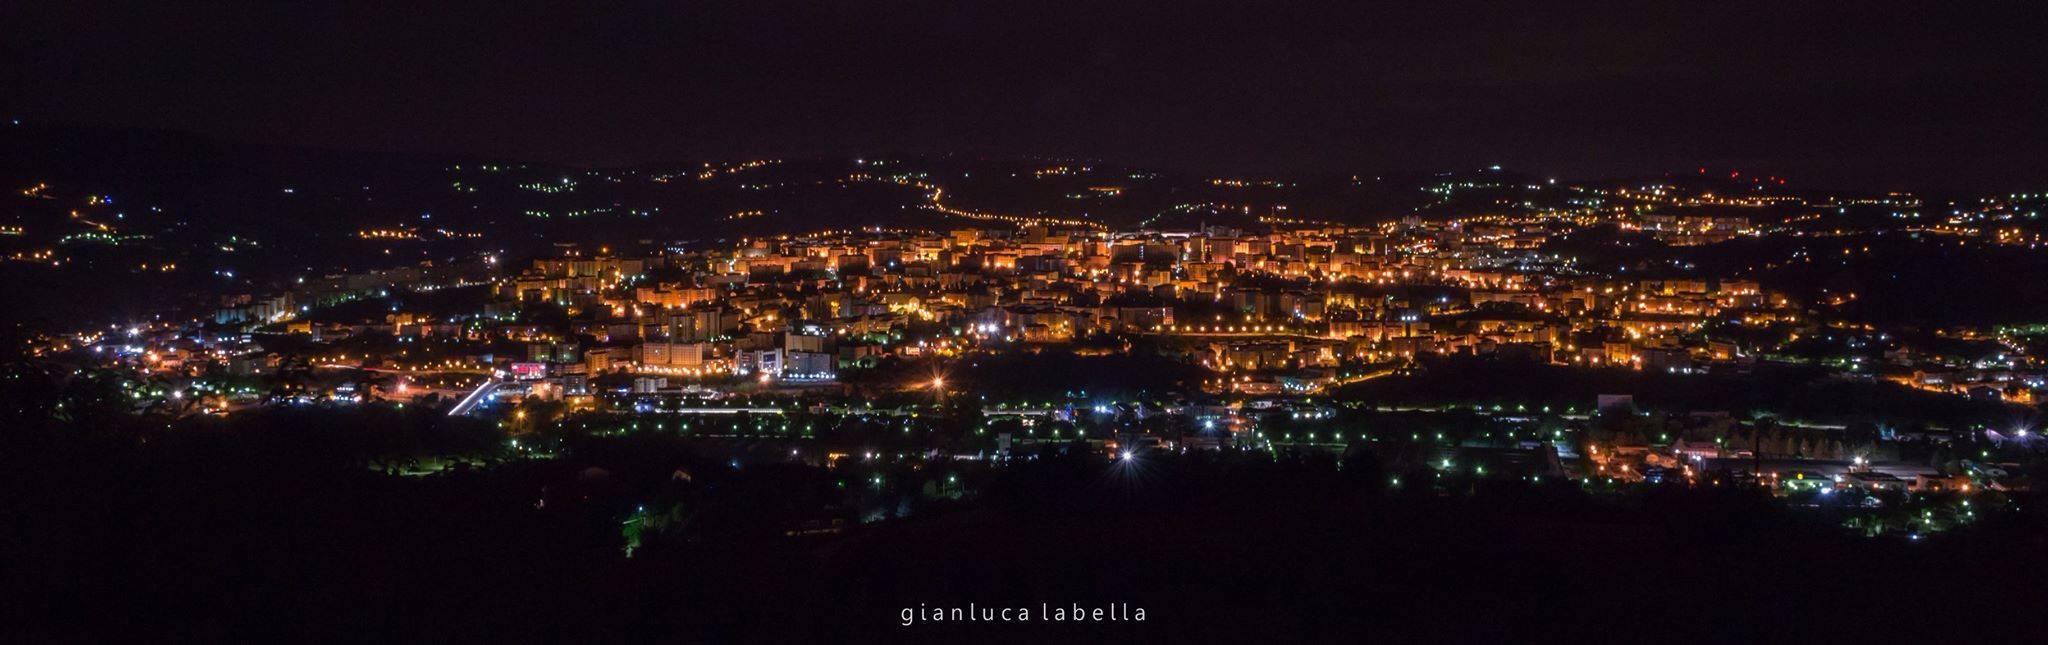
[1268, 312]
[1281, 310]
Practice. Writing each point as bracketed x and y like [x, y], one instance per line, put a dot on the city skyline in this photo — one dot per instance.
[866, 321]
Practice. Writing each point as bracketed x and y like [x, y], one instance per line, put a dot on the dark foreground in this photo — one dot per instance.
[214, 544]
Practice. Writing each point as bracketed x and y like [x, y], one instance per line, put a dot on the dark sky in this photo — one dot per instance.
[1847, 94]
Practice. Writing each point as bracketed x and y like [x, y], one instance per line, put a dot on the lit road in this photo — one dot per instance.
[479, 395]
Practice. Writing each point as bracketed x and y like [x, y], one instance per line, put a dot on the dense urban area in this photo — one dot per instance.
[774, 378]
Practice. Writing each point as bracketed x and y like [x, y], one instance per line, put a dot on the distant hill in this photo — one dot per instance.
[118, 223]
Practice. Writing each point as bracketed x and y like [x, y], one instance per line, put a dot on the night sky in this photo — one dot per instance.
[1922, 95]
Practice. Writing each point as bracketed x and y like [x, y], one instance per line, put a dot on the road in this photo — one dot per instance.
[479, 395]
